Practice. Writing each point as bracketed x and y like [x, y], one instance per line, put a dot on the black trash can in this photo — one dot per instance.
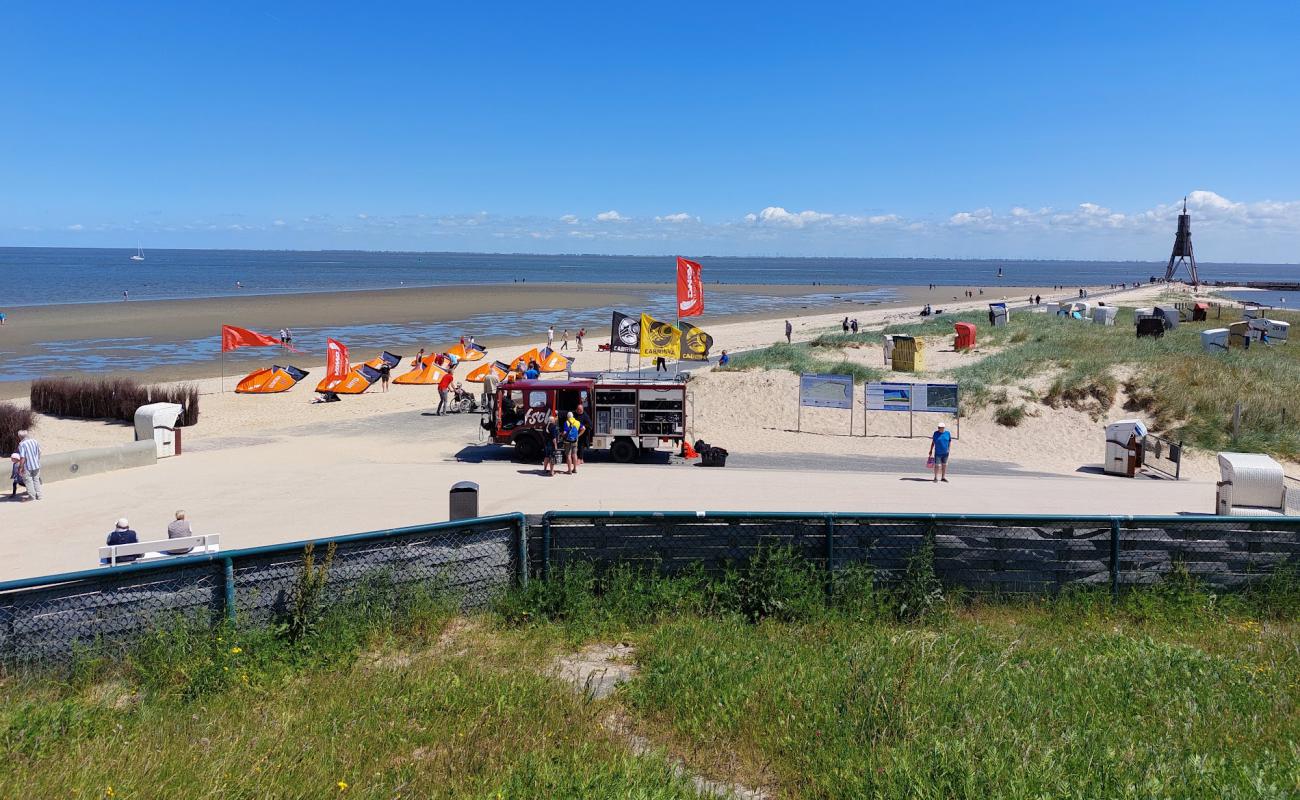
[463, 500]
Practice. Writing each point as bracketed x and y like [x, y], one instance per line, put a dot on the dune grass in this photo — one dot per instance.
[801, 360]
[1188, 393]
[758, 676]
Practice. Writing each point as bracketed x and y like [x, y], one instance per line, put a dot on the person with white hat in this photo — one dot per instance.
[940, 441]
[122, 534]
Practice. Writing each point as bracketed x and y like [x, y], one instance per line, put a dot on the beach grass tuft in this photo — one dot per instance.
[801, 360]
[13, 419]
[109, 398]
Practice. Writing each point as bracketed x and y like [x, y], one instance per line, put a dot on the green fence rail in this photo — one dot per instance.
[993, 552]
[50, 617]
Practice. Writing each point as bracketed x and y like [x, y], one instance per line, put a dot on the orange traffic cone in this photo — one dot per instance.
[688, 451]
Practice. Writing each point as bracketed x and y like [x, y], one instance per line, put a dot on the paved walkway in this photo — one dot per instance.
[294, 487]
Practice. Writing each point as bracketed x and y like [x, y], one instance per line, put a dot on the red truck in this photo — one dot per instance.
[628, 417]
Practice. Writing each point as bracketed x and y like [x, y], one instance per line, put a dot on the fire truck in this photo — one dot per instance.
[629, 416]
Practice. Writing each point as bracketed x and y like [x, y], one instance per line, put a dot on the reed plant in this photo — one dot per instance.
[13, 419]
[110, 398]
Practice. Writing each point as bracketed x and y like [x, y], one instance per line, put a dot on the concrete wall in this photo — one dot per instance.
[94, 460]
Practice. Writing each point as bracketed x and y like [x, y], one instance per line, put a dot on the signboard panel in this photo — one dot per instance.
[826, 391]
[889, 396]
[932, 397]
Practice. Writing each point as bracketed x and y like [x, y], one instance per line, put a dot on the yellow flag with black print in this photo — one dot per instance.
[695, 344]
[659, 339]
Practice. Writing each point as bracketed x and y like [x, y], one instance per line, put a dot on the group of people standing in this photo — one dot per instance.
[565, 440]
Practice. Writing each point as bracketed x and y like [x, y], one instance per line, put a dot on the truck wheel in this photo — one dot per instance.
[623, 451]
[528, 448]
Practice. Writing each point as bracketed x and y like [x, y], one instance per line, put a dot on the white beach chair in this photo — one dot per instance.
[1252, 485]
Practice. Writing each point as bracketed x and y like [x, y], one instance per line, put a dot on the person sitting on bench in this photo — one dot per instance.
[122, 534]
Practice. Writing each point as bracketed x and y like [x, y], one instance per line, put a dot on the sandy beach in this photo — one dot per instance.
[121, 328]
[270, 468]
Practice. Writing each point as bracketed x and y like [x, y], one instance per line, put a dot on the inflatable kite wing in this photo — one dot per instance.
[427, 373]
[498, 368]
[271, 381]
[468, 352]
[357, 381]
[521, 361]
[550, 361]
[383, 358]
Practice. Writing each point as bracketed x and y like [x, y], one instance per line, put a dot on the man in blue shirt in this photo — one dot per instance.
[940, 440]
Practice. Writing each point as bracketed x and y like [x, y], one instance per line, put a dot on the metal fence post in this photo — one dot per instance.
[1114, 558]
[229, 564]
[546, 546]
[830, 556]
[521, 551]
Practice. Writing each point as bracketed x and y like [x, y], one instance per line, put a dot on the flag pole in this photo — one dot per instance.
[222, 345]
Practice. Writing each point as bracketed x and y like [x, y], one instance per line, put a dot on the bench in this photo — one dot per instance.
[110, 555]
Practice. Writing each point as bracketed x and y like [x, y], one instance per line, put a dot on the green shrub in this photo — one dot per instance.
[1009, 416]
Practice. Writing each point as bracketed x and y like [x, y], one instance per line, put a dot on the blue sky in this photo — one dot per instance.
[963, 129]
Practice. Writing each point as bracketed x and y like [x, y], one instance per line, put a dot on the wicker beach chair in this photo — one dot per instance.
[1252, 485]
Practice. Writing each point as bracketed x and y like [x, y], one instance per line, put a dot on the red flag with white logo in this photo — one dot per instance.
[336, 360]
[690, 289]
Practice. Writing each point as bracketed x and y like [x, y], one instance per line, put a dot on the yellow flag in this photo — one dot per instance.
[659, 339]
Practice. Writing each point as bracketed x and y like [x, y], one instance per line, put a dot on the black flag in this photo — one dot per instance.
[695, 344]
[625, 333]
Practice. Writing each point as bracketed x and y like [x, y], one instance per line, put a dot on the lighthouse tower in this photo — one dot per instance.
[1183, 249]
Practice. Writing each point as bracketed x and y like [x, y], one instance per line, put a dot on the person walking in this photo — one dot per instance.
[30, 450]
[584, 423]
[16, 474]
[550, 336]
[940, 441]
[490, 384]
[789, 329]
[564, 340]
[2, 321]
[444, 390]
[582, 334]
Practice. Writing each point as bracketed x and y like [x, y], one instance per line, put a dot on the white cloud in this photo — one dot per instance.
[569, 219]
[775, 215]
[77, 226]
[610, 216]
[279, 223]
[681, 216]
[363, 216]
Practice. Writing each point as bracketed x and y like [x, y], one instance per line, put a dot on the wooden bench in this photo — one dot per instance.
[111, 555]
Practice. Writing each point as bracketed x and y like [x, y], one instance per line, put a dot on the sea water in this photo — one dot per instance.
[41, 276]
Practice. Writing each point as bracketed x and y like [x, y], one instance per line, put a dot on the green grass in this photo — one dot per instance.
[759, 676]
[801, 360]
[1189, 394]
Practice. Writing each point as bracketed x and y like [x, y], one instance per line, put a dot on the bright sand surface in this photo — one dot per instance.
[263, 469]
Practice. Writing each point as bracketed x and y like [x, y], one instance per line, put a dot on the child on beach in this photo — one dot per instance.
[16, 473]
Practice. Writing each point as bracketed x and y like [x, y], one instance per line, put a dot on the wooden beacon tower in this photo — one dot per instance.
[1183, 249]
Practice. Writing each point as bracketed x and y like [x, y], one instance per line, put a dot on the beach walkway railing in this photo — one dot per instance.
[52, 618]
[1002, 553]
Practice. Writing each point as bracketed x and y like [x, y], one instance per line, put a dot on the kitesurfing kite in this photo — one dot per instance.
[271, 381]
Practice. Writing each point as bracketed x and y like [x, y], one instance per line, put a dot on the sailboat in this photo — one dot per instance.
[139, 254]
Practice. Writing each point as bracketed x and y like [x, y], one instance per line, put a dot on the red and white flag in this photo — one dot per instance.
[336, 360]
[690, 289]
[233, 338]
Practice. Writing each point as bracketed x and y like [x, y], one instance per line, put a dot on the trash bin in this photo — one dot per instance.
[463, 503]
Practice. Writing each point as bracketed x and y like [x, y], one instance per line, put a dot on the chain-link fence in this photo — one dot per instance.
[1017, 554]
[48, 618]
